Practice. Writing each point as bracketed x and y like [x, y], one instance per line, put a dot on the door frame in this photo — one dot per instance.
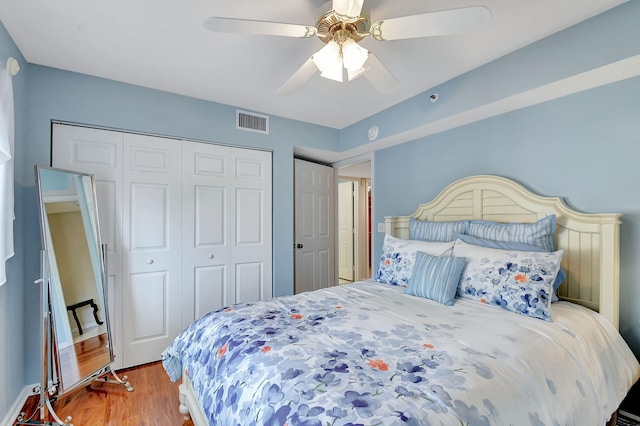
[352, 231]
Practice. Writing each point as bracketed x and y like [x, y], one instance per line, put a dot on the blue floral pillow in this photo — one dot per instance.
[507, 245]
[398, 257]
[435, 277]
[518, 281]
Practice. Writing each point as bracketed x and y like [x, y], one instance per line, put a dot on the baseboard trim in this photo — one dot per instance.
[629, 415]
[17, 405]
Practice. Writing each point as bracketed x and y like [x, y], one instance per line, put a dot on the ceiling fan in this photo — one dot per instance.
[343, 27]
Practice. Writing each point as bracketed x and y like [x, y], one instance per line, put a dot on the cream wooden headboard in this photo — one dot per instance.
[590, 241]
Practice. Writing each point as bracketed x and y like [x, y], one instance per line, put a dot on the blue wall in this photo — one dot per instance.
[13, 291]
[607, 38]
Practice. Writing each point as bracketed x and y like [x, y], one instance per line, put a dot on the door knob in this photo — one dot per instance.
[149, 261]
[299, 245]
[211, 256]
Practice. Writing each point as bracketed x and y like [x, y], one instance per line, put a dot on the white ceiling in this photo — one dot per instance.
[162, 44]
[357, 170]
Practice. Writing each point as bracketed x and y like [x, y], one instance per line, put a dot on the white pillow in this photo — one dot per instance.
[518, 281]
[398, 257]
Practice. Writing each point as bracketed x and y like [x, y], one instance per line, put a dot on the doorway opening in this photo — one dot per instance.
[354, 222]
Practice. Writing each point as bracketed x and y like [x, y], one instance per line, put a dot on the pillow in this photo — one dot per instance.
[435, 277]
[436, 231]
[506, 245]
[398, 256]
[538, 233]
[518, 281]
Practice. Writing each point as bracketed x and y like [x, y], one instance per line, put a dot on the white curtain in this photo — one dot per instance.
[6, 171]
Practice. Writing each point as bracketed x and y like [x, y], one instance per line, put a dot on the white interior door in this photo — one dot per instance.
[99, 152]
[152, 246]
[314, 229]
[346, 230]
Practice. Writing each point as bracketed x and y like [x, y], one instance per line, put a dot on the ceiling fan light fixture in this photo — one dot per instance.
[353, 74]
[343, 27]
[334, 74]
[329, 61]
[353, 55]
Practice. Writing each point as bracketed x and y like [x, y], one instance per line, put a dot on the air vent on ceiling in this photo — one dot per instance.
[252, 122]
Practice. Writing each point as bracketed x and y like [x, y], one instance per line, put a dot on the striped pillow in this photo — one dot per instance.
[537, 233]
[436, 277]
[436, 231]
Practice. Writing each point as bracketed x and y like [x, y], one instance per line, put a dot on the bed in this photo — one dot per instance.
[370, 353]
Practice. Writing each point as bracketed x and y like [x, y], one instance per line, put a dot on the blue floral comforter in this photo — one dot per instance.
[368, 354]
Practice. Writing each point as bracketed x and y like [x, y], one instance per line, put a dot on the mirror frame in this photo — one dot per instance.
[53, 377]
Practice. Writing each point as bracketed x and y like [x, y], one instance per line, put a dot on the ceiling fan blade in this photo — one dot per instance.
[299, 78]
[247, 26]
[444, 22]
[379, 76]
[348, 8]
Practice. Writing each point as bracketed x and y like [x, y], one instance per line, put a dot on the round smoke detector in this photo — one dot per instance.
[373, 133]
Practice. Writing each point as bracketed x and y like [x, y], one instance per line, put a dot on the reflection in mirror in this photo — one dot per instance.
[81, 343]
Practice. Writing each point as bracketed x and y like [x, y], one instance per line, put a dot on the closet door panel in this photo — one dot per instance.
[210, 221]
[152, 246]
[148, 296]
[249, 222]
[205, 229]
[210, 289]
[251, 242]
[90, 149]
[249, 285]
[99, 152]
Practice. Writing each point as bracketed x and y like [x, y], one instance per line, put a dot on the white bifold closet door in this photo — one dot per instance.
[226, 227]
[189, 228]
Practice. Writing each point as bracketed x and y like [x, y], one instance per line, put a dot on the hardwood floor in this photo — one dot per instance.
[154, 402]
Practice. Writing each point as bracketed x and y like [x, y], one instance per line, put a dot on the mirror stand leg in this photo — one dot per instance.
[65, 422]
[116, 379]
[44, 409]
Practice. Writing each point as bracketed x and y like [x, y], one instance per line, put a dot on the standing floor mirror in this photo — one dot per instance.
[76, 338]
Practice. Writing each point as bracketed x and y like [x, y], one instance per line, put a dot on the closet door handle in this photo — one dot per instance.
[211, 256]
[150, 261]
[299, 246]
